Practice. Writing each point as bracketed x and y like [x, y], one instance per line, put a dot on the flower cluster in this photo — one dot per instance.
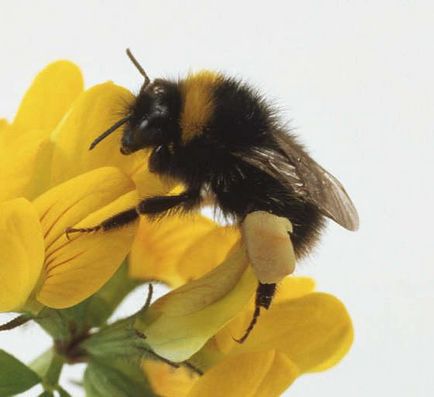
[50, 181]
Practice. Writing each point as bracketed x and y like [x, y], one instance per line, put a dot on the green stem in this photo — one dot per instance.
[51, 378]
[49, 367]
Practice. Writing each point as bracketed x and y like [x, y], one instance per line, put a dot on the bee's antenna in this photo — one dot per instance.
[105, 134]
[139, 67]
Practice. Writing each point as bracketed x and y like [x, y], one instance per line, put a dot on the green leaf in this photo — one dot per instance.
[120, 378]
[15, 376]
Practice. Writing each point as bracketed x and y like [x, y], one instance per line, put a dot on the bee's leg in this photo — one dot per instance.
[264, 297]
[121, 219]
[158, 205]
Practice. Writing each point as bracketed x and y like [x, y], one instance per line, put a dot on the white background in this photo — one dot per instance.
[356, 79]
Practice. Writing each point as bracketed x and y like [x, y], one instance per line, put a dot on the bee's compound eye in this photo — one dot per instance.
[143, 124]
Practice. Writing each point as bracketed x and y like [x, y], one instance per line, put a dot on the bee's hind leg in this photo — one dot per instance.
[121, 219]
[264, 297]
[271, 255]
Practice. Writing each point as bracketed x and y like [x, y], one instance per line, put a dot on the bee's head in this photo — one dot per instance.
[169, 114]
[154, 117]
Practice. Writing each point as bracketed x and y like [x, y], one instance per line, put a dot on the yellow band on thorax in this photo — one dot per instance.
[198, 103]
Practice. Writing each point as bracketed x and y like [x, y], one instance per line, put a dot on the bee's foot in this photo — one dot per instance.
[70, 230]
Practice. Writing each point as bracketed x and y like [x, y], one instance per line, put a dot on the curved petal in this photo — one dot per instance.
[93, 112]
[25, 163]
[159, 244]
[279, 377]
[76, 268]
[292, 287]
[151, 184]
[206, 252]
[49, 97]
[21, 252]
[4, 125]
[223, 342]
[258, 374]
[314, 331]
[168, 381]
[180, 323]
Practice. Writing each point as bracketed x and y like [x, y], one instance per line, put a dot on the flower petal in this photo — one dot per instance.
[314, 331]
[159, 244]
[76, 268]
[93, 112]
[259, 374]
[279, 377]
[25, 163]
[49, 97]
[223, 342]
[4, 126]
[292, 288]
[179, 324]
[151, 184]
[206, 252]
[168, 381]
[21, 252]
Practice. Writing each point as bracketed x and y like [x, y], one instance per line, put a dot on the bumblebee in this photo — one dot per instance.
[217, 134]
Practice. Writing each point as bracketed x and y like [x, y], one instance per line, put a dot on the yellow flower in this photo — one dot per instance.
[181, 322]
[167, 381]
[179, 249]
[50, 182]
[302, 332]
[42, 153]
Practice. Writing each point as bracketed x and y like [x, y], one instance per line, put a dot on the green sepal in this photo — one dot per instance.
[15, 376]
[119, 338]
[117, 377]
[57, 324]
[115, 340]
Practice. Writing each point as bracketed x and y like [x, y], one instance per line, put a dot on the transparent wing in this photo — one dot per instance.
[296, 170]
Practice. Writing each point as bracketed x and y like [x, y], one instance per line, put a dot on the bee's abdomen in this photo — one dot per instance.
[245, 190]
